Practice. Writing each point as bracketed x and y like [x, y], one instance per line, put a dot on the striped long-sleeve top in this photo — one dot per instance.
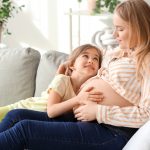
[121, 75]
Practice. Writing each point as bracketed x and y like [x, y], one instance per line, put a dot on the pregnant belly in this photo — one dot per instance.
[110, 96]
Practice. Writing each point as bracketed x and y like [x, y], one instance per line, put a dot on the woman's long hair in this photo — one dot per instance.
[136, 14]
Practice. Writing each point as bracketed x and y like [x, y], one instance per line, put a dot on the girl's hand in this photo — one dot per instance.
[86, 112]
[64, 69]
[90, 94]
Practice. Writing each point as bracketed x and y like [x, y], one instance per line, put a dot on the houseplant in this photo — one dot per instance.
[7, 10]
[105, 5]
[100, 6]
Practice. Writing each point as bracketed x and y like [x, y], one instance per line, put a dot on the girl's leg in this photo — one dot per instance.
[39, 135]
[17, 115]
[32, 103]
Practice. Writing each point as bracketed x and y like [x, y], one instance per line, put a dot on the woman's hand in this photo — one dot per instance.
[86, 112]
[101, 71]
[90, 94]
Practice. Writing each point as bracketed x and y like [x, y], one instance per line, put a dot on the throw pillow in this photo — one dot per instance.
[47, 69]
[18, 69]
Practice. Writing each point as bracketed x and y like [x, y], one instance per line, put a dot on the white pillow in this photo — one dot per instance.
[140, 140]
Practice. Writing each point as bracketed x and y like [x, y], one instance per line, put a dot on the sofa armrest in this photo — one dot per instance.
[140, 140]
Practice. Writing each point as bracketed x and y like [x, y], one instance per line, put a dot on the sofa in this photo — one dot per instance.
[24, 73]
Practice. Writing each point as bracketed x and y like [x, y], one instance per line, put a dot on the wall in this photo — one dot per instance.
[35, 26]
[44, 25]
[88, 24]
[148, 1]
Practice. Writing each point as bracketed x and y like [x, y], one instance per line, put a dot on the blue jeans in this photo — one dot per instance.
[35, 131]
[16, 115]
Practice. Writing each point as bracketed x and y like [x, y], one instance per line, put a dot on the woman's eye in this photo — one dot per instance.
[120, 29]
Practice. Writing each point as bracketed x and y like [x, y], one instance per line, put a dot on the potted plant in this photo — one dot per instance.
[105, 5]
[7, 10]
[100, 6]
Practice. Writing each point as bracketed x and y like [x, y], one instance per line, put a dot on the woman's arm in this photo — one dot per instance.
[130, 116]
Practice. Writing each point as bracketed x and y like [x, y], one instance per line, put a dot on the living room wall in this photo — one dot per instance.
[44, 25]
[35, 25]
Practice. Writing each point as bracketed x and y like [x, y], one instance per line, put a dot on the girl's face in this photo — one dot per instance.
[121, 32]
[87, 62]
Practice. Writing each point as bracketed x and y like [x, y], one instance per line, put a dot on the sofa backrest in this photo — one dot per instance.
[47, 69]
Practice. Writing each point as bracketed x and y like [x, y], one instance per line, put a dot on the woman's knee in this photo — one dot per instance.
[15, 115]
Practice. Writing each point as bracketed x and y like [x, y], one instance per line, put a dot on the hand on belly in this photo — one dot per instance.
[110, 96]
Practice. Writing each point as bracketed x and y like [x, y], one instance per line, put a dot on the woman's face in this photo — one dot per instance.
[121, 32]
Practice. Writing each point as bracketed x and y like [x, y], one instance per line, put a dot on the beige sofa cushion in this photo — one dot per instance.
[18, 69]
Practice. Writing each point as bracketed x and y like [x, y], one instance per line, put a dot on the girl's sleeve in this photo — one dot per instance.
[58, 84]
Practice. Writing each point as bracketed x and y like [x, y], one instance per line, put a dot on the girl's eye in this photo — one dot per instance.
[86, 56]
[96, 59]
[120, 29]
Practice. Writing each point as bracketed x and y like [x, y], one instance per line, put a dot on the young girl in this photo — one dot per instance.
[83, 64]
[63, 87]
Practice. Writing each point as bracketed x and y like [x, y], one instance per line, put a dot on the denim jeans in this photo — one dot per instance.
[27, 129]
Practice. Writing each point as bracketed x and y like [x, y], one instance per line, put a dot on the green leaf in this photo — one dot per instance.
[8, 10]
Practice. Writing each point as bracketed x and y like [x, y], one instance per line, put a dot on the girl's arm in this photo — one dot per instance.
[56, 106]
[64, 69]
